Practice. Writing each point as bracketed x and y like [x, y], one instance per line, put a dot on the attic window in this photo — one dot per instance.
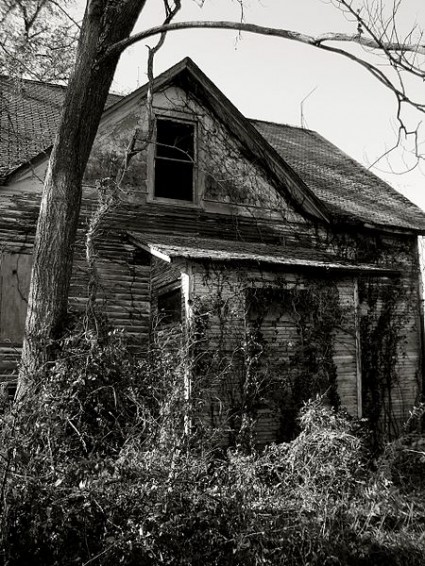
[174, 160]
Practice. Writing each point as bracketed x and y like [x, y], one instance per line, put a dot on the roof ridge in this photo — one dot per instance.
[282, 124]
[32, 81]
[50, 84]
[301, 161]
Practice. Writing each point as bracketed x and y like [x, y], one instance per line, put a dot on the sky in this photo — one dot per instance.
[286, 82]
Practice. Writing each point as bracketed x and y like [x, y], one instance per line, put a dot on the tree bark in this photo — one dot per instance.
[105, 23]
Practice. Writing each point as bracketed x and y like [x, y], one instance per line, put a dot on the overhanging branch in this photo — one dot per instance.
[315, 41]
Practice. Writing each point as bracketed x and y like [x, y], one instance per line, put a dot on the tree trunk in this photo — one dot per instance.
[105, 22]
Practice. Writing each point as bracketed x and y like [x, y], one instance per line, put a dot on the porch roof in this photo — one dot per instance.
[169, 248]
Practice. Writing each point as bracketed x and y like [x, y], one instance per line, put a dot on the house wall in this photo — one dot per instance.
[229, 181]
[124, 285]
[18, 215]
[124, 278]
[236, 200]
[252, 354]
[390, 343]
[308, 333]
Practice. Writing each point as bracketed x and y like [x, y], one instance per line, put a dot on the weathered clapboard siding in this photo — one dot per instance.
[389, 312]
[123, 285]
[345, 354]
[9, 358]
[125, 288]
[17, 219]
[220, 302]
[15, 270]
[145, 217]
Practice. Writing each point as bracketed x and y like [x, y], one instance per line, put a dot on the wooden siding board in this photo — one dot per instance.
[15, 272]
[344, 357]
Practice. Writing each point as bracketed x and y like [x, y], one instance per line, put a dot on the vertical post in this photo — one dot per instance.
[187, 309]
[420, 246]
[358, 347]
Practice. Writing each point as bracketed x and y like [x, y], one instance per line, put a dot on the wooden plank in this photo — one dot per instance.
[15, 273]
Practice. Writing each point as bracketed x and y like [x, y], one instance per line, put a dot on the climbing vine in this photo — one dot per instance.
[382, 330]
[307, 316]
[262, 349]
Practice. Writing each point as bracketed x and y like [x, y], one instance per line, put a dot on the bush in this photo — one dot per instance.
[97, 470]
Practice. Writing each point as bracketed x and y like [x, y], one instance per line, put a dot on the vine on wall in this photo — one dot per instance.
[307, 368]
[261, 344]
[261, 351]
[382, 329]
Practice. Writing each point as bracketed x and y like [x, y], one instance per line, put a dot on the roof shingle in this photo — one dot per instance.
[350, 191]
[29, 118]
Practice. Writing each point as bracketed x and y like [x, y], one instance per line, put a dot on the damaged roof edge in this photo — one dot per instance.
[169, 252]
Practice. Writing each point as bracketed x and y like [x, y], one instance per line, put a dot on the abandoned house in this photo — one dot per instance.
[286, 268]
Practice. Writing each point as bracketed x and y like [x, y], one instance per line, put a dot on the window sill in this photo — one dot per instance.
[173, 202]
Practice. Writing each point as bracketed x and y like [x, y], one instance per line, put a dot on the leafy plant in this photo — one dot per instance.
[98, 468]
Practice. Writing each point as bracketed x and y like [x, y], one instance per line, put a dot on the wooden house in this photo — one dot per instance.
[282, 267]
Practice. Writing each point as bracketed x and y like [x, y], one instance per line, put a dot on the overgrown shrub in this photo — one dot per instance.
[97, 469]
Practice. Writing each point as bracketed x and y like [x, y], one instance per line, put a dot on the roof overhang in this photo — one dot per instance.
[171, 248]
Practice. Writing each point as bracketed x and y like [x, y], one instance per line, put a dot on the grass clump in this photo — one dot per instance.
[97, 468]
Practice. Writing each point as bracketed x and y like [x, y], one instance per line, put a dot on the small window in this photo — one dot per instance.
[174, 160]
[170, 307]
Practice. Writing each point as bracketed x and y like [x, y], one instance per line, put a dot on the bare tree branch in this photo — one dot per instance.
[38, 39]
[315, 41]
[393, 50]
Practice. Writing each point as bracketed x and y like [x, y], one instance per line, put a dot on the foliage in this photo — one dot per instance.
[267, 348]
[97, 469]
[39, 39]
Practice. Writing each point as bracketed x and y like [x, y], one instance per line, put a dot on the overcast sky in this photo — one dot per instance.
[268, 78]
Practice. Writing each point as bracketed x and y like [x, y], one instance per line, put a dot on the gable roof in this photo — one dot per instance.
[318, 177]
[191, 79]
[350, 191]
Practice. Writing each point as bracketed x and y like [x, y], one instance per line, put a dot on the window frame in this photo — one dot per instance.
[151, 197]
[161, 292]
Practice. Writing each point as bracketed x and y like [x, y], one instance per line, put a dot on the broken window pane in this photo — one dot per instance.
[170, 307]
[174, 160]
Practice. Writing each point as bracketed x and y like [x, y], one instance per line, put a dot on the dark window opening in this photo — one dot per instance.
[170, 308]
[8, 391]
[140, 257]
[174, 160]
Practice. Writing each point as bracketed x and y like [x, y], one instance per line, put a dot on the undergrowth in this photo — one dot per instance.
[97, 468]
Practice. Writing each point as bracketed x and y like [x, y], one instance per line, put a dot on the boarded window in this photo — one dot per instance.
[174, 160]
[15, 273]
